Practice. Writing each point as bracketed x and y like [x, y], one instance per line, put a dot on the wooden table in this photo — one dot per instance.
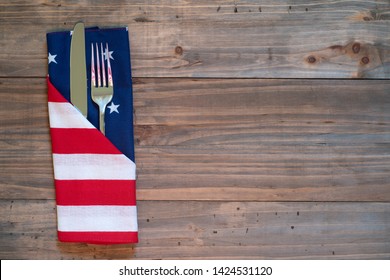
[262, 128]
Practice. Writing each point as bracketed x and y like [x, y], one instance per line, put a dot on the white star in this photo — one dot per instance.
[113, 108]
[71, 33]
[109, 55]
[52, 58]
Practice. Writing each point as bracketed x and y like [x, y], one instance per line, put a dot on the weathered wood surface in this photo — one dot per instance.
[228, 167]
[212, 230]
[256, 140]
[274, 39]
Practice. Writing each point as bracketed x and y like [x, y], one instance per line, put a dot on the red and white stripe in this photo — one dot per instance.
[95, 182]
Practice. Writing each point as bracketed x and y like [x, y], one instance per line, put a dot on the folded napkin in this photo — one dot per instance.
[94, 174]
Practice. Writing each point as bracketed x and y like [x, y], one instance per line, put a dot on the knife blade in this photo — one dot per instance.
[78, 70]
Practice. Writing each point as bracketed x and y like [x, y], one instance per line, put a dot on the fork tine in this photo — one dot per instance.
[93, 77]
[110, 81]
[99, 79]
[104, 84]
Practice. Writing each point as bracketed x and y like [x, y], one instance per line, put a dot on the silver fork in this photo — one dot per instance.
[102, 85]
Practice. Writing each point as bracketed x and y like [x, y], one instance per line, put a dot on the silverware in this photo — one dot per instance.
[102, 85]
[78, 70]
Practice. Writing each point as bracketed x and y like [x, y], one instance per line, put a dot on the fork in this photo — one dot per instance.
[102, 85]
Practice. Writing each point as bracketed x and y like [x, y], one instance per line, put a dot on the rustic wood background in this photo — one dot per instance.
[262, 128]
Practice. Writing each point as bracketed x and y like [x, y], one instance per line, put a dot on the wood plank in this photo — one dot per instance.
[275, 39]
[274, 104]
[255, 140]
[256, 175]
[226, 230]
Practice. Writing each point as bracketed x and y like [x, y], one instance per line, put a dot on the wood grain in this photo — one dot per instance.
[267, 39]
[225, 139]
[212, 230]
[263, 139]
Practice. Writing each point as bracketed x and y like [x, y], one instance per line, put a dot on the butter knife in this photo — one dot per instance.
[78, 70]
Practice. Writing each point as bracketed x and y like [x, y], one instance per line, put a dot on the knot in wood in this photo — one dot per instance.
[365, 60]
[356, 48]
[311, 59]
[179, 50]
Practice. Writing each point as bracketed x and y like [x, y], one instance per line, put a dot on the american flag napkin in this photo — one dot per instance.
[94, 174]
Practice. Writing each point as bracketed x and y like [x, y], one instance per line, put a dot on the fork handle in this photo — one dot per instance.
[102, 126]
